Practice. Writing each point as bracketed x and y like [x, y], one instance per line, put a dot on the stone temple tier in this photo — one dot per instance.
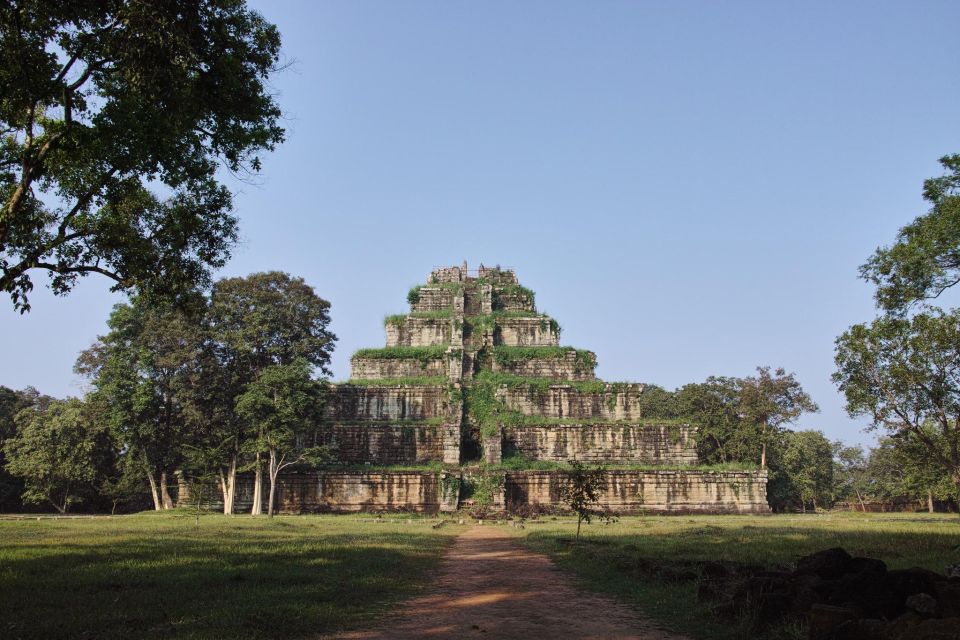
[473, 383]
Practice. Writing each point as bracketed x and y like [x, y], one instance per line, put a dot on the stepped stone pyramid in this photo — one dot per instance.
[474, 377]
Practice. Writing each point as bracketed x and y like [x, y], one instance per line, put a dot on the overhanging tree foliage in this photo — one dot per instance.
[925, 259]
[115, 116]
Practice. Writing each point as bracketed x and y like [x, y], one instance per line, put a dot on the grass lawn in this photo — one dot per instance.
[161, 575]
[624, 558]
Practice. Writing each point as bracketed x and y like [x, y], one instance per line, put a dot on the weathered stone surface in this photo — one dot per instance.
[433, 299]
[505, 300]
[529, 332]
[345, 492]
[493, 447]
[393, 444]
[419, 332]
[650, 491]
[922, 603]
[618, 402]
[379, 368]
[604, 443]
[563, 368]
[349, 403]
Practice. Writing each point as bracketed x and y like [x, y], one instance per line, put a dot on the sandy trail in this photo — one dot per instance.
[488, 586]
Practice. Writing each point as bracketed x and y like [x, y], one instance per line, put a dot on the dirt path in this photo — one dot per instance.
[488, 586]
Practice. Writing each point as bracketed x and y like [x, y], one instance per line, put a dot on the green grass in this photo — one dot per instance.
[398, 319]
[423, 354]
[162, 576]
[616, 558]
[585, 360]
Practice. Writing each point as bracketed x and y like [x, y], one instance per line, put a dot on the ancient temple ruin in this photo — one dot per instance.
[473, 400]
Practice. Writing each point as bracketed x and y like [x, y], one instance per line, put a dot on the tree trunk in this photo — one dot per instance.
[929, 500]
[61, 508]
[230, 486]
[763, 456]
[257, 508]
[273, 481]
[153, 491]
[579, 520]
[165, 491]
[863, 507]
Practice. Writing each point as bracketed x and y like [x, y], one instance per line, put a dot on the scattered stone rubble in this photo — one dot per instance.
[841, 597]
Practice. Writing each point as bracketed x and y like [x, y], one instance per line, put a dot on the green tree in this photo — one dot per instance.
[713, 406]
[58, 451]
[918, 478]
[807, 459]
[284, 404]
[581, 491]
[768, 401]
[737, 417]
[145, 373]
[904, 374]
[11, 403]
[925, 259]
[850, 473]
[256, 322]
[115, 117]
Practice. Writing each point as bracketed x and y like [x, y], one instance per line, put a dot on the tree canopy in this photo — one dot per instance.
[925, 259]
[904, 374]
[115, 117]
[56, 451]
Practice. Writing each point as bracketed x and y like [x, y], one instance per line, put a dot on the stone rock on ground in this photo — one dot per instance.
[842, 598]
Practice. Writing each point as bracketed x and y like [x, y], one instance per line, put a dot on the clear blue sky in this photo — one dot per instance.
[688, 186]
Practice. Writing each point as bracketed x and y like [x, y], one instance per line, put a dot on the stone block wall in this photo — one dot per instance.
[496, 275]
[350, 492]
[433, 299]
[505, 301]
[603, 443]
[419, 332]
[565, 368]
[618, 403]
[525, 332]
[393, 443]
[379, 368]
[350, 403]
[648, 491]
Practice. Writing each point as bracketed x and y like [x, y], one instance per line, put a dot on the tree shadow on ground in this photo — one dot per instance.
[262, 585]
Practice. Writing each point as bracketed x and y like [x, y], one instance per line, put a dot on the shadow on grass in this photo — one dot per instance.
[659, 571]
[259, 584]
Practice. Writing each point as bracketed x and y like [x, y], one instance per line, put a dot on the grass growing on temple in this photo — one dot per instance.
[642, 560]
[161, 575]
